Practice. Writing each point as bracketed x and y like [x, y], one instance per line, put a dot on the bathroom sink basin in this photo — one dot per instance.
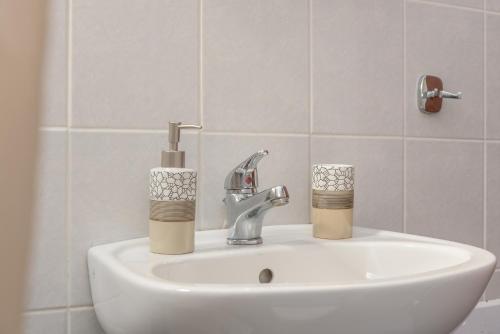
[376, 282]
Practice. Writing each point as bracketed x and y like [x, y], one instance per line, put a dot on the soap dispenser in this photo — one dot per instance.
[173, 157]
[172, 194]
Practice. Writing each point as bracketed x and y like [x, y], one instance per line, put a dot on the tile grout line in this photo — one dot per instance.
[200, 65]
[199, 206]
[164, 131]
[69, 121]
[485, 120]
[125, 130]
[311, 102]
[68, 226]
[490, 12]
[456, 140]
[69, 65]
[439, 4]
[53, 128]
[445, 5]
[277, 134]
[58, 309]
[214, 133]
[404, 116]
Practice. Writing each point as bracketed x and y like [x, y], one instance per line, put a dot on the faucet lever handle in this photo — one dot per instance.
[244, 175]
[252, 161]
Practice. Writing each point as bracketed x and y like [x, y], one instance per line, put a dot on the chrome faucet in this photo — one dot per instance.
[245, 206]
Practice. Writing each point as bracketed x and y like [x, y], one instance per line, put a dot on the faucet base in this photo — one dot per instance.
[254, 241]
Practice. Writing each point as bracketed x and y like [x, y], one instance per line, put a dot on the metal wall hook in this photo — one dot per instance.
[430, 94]
[442, 94]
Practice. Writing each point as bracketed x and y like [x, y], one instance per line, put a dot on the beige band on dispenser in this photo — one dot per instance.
[178, 211]
[322, 199]
[171, 237]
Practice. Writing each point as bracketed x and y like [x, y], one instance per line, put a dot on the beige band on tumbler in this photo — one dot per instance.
[324, 199]
[165, 211]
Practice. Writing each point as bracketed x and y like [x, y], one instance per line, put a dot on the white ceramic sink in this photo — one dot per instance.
[376, 282]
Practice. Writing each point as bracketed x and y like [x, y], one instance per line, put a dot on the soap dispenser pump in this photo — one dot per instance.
[173, 158]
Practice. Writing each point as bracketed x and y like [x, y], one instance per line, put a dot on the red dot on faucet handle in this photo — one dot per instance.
[248, 180]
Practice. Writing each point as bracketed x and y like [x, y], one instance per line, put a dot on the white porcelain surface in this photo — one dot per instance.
[109, 191]
[135, 64]
[377, 282]
[444, 190]
[493, 75]
[356, 67]
[460, 65]
[45, 322]
[256, 65]
[378, 188]
[47, 276]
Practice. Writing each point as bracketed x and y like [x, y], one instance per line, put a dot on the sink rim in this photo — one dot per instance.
[109, 254]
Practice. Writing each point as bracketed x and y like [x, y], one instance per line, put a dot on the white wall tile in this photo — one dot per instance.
[46, 322]
[47, 271]
[378, 184]
[84, 321]
[493, 198]
[493, 5]
[54, 69]
[444, 190]
[135, 63]
[465, 3]
[287, 163]
[109, 192]
[493, 289]
[256, 65]
[358, 66]
[446, 42]
[493, 76]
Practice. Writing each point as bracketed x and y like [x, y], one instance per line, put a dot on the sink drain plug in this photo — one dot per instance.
[266, 276]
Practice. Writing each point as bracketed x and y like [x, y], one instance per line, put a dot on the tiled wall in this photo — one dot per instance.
[310, 80]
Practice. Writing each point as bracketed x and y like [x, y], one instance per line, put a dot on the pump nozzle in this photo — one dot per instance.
[173, 157]
[174, 133]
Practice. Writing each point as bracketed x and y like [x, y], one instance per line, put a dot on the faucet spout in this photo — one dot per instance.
[245, 213]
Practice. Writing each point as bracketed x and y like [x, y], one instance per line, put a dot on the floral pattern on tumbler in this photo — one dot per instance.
[333, 177]
[172, 184]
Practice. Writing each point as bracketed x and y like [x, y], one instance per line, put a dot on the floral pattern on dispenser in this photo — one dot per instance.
[170, 184]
